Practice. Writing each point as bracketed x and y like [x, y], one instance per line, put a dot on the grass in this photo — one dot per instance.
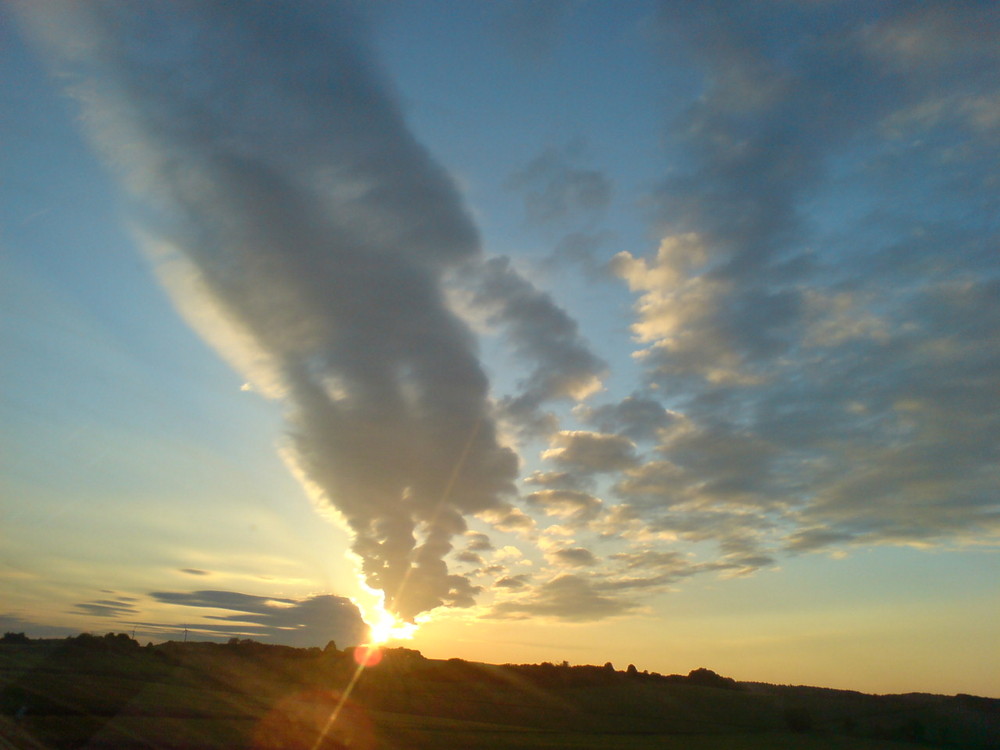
[214, 697]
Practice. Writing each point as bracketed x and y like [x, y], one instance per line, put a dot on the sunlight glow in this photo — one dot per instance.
[383, 625]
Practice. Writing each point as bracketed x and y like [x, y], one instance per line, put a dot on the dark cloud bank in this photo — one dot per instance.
[820, 326]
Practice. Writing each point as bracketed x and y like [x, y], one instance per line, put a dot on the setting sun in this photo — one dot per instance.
[387, 627]
[383, 625]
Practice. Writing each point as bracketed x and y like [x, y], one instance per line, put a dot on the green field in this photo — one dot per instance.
[105, 694]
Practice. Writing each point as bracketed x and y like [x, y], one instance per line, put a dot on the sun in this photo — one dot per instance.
[385, 627]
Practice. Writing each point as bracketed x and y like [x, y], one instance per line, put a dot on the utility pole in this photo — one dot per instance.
[185, 635]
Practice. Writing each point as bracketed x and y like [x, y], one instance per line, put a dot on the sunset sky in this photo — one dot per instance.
[663, 333]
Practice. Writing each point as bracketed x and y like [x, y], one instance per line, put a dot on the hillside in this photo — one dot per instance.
[109, 692]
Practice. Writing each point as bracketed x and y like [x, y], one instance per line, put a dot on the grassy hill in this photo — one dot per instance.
[105, 693]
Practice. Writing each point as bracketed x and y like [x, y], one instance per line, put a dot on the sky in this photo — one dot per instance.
[663, 333]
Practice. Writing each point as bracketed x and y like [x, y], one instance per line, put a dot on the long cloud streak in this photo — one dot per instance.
[289, 197]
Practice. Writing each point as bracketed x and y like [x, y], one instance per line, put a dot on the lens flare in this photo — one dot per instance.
[367, 655]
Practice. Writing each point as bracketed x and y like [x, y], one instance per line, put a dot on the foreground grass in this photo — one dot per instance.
[249, 696]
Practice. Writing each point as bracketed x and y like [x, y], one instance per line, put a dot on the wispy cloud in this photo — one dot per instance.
[568, 597]
[543, 336]
[112, 608]
[312, 621]
[556, 187]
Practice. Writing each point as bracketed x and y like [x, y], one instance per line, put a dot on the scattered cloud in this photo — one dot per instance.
[112, 608]
[556, 187]
[817, 329]
[573, 557]
[828, 384]
[591, 452]
[565, 480]
[568, 597]
[468, 556]
[539, 333]
[513, 582]
[510, 519]
[567, 504]
[478, 542]
[581, 249]
[637, 417]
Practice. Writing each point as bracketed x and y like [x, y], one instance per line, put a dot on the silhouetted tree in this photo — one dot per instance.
[631, 671]
[708, 678]
[15, 638]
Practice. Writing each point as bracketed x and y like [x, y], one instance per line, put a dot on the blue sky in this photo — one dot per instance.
[672, 326]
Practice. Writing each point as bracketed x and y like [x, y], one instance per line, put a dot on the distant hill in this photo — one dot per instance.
[109, 692]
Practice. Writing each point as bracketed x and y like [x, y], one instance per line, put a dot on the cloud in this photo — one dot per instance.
[581, 249]
[113, 608]
[304, 230]
[817, 328]
[556, 188]
[540, 333]
[591, 452]
[569, 597]
[637, 417]
[513, 582]
[650, 558]
[469, 557]
[478, 542]
[821, 314]
[509, 518]
[313, 621]
[567, 504]
[573, 557]
[566, 480]
[195, 572]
